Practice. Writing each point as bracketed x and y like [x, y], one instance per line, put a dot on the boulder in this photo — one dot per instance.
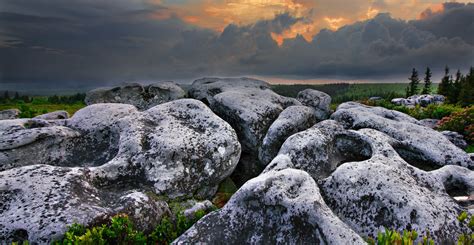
[276, 207]
[430, 123]
[385, 192]
[250, 107]
[317, 100]
[89, 138]
[320, 149]
[372, 187]
[55, 115]
[181, 148]
[456, 138]
[39, 202]
[290, 121]
[418, 145]
[141, 96]
[9, 114]
[422, 100]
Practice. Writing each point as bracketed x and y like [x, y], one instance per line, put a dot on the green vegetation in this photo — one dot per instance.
[461, 122]
[412, 88]
[120, 230]
[392, 237]
[343, 92]
[34, 106]
[459, 91]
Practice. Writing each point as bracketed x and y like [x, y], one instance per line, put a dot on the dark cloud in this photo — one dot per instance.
[85, 43]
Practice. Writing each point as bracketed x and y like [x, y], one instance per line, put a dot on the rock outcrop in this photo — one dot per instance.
[141, 96]
[9, 114]
[317, 100]
[419, 145]
[55, 115]
[276, 207]
[422, 100]
[290, 121]
[250, 107]
[177, 149]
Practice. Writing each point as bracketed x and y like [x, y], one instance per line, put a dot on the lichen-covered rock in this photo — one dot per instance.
[38, 202]
[9, 114]
[290, 121]
[204, 206]
[55, 115]
[141, 96]
[422, 100]
[419, 145]
[181, 148]
[317, 100]
[384, 191]
[369, 186]
[320, 149]
[89, 138]
[456, 138]
[250, 107]
[430, 123]
[276, 207]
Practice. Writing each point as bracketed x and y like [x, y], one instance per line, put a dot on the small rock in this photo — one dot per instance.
[9, 114]
[55, 115]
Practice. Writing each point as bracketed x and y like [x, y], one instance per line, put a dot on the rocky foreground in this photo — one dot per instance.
[307, 174]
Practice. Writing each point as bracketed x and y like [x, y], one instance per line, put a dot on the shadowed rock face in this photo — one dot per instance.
[9, 114]
[290, 121]
[250, 107]
[419, 145]
[176, 149]
[276, 207]
[374, 187]
[141, 96]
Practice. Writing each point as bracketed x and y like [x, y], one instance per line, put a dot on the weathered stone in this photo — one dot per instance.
[317, 100]
[55, 115]
[179, 147]
[419, 145]
[141, 96]
[430, 123]
[276, 207]
[9, 114]
[290, 121]
[250, 107]
[456, 138]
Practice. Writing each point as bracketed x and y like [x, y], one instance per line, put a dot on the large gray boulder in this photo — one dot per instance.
[9, 114]
[369, 186]
[250, 107]
[317, 100]
[283, 207]
[39, 202]
[422, 100]
[89, 138]
[177, 149]
[181, 148]
[141, 96]
[320, 149]
[55, 115]
[456, 138]
[419, 145]
[290, 121]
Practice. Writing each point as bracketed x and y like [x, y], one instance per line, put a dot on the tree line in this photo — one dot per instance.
[15, 97]
[457, 90]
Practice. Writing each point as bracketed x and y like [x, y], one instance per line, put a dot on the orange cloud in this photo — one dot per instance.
[433, 9]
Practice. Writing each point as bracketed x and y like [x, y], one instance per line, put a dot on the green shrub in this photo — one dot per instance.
[461, 122]
[392, 237]
[466, 238]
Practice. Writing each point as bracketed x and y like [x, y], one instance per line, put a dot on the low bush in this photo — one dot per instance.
[120, 230]
[461, 122]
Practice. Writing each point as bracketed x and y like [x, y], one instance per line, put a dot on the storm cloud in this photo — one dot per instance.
[85, 43]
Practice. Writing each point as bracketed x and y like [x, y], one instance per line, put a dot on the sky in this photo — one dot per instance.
[88, 43]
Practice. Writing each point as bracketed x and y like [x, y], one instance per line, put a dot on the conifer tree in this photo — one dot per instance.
[413, 85]
[445, 85]
[427, 85]
[466, 95]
